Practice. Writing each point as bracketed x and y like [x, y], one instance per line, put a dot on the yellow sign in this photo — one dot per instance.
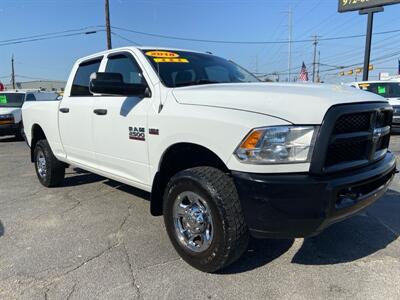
[161, 54]
[170, 60]
[364, 86]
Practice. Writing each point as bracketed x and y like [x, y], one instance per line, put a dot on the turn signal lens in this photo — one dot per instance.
[251, 141]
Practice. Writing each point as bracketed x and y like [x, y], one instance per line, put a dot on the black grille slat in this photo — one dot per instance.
[346, 152]
[352, 123]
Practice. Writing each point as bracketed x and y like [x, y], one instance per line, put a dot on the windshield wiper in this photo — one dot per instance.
[197, 82]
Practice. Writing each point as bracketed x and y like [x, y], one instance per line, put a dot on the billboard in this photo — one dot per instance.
[350, 5]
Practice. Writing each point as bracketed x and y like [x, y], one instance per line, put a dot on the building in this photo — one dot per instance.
[48, 85]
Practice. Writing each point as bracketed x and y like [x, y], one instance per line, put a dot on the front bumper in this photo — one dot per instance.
[9, 129]
[396, 121]
[300, 205]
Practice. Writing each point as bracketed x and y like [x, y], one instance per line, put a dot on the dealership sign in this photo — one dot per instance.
[350, 5]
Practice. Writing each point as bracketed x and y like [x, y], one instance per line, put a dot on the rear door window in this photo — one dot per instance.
[80, 86]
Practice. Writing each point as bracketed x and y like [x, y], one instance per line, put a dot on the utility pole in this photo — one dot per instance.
[12, 72]
[108, 26]
[319, 61]
[315, 43]
[290, 44]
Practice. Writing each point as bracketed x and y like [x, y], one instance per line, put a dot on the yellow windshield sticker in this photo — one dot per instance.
[364, 86]
[170, 60]
[162, 54]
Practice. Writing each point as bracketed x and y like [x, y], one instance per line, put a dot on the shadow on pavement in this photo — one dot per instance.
[128, 189]
[259, 253]
[80, 177]
[355, 238]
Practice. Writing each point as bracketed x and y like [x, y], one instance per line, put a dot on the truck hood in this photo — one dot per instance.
[296, 103]
[10, 110]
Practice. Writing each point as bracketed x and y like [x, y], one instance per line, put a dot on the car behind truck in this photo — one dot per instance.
[11, 102]
[223, 155]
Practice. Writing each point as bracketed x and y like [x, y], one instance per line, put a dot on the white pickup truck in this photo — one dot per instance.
[388, 89]
[222, 154]
[11, 102]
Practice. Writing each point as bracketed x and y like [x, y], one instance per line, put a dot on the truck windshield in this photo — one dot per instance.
[183, 68]
[384, 89]
[11, 99]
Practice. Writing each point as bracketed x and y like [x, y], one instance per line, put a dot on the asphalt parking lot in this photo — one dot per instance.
[95, 238]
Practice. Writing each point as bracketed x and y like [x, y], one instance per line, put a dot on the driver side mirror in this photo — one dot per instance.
[113, 84]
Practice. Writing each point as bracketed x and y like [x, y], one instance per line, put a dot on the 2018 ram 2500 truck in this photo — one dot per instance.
[222, 154]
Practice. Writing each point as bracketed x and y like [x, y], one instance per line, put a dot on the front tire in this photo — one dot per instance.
[204, 219]
[49, 170]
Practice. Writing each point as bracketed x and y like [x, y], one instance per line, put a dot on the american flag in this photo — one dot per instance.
[303, 73]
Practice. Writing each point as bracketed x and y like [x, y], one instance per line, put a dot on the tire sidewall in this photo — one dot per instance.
[40, 146]
[200, 260]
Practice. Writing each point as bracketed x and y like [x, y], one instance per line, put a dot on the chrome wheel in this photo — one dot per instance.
[193, 221]
[41, 164]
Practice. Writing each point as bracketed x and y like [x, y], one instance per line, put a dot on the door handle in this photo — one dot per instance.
[64, 110]
[100, 112]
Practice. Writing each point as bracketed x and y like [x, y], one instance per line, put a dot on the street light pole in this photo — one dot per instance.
[370, 12]
[108, 26]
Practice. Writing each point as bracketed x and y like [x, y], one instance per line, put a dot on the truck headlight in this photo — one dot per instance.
[278, 145]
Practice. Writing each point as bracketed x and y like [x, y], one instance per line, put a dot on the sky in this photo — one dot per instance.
[220, 20]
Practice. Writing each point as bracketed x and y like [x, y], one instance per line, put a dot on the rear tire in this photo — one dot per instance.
[49, 170]
[211, 202]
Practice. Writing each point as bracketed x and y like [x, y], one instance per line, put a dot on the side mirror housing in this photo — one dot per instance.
[113, 84]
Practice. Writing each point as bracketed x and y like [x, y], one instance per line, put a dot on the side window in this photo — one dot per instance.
[125, 65]
[30, 97]
[80, 86]
[217, 73]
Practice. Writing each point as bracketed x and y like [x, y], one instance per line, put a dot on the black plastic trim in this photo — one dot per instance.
[300, 205]
[325, 135]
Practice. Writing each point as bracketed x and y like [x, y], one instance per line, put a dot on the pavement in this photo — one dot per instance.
[94, 238]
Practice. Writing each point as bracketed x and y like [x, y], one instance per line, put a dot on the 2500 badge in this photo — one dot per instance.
[137, 133]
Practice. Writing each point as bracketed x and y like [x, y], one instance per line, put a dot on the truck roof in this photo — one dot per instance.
[374, 81]
[138, 48]
[23, 91]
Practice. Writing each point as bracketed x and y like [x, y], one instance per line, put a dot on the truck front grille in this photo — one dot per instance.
[352, 122]
[352, 136]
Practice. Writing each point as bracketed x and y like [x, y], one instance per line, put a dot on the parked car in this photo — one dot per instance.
[10, 109]
[222, 154]
[388, 89]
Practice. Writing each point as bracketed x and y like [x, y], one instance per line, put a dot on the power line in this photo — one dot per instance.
[124, 38]
[50, 37]
[334, 38]
[51, 33]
